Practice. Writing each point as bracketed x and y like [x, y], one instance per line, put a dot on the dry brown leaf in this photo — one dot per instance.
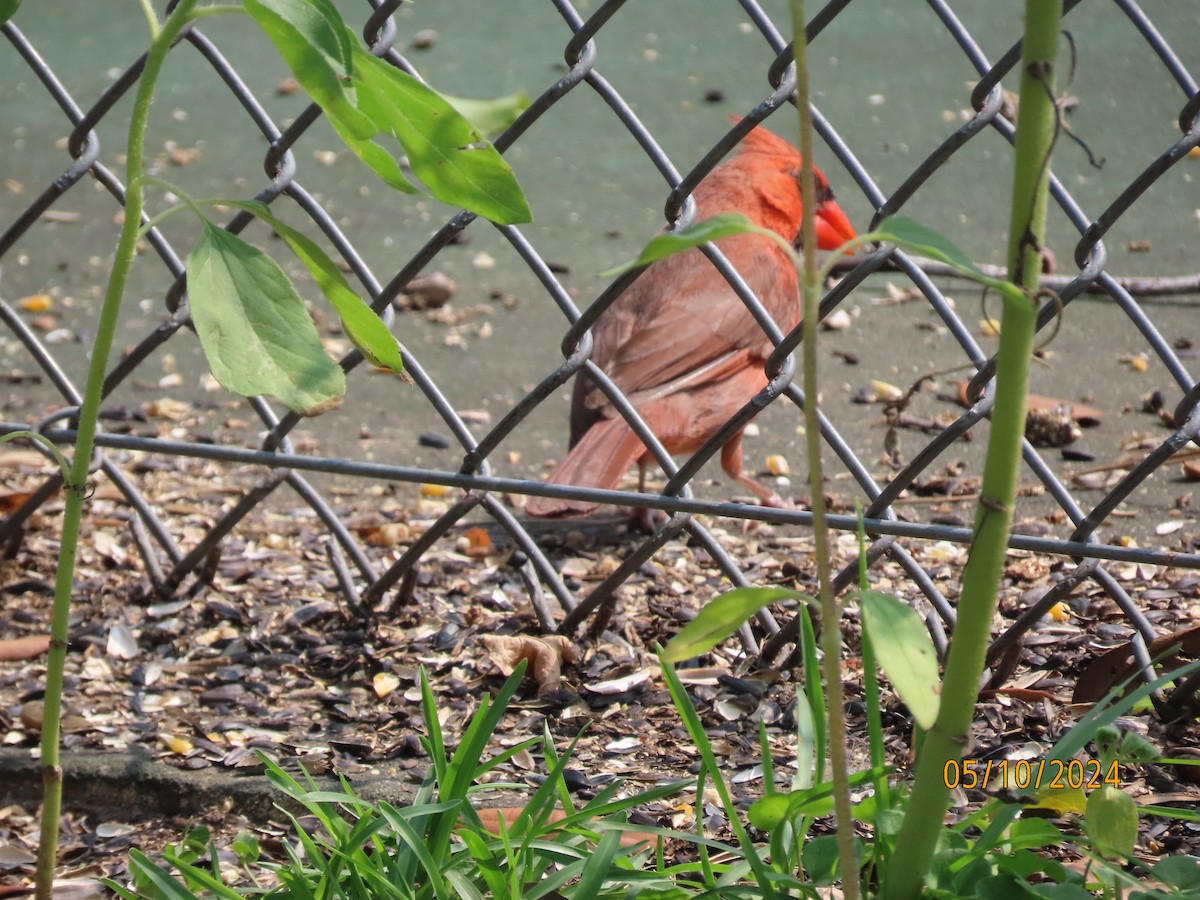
[545, 656]
[1081, 413]
[478, 543]
[1111, 668]
[29, 460]
[24, 647]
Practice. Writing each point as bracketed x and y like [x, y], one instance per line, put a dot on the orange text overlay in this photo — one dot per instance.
[1030, 774]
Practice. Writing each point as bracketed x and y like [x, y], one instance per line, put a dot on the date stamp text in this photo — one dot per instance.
[1030, 774]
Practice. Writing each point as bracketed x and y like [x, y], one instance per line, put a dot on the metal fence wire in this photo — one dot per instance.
[895, 531]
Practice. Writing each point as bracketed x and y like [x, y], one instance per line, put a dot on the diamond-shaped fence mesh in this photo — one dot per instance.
[911, 117]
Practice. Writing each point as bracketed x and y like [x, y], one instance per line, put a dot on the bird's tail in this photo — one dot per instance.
[600, 459]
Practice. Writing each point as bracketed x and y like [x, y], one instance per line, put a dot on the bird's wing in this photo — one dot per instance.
[673, 324]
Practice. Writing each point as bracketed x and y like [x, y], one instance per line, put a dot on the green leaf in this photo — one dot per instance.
[722, 617]
[319, 49]
[1135, 749]
[364, 328]
[8, 8]
[1181, 872]
[1112, 821]
[912, 235]
[1031, 833]
[161, 880]
[712, 229]
[820, 858]
[773, 810]
[445, 151]
[377, 159]
[905, 652]
[245, 847]
[256, 333]
[769, 812]
[490, 116]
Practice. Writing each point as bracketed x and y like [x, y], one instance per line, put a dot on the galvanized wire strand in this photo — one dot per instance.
[1148, 466]
[411, 557]
[537, 559]
[215, 535]
[732, 427]
[414, 475]
[1162, 49]
[66, 388]
[1145, 325]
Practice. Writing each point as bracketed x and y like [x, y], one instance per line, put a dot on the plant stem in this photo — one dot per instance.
[76, 482]
[831, 614]
[1036, 125]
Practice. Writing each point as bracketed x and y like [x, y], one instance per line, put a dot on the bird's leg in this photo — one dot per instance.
[731, 462]
[650, 520]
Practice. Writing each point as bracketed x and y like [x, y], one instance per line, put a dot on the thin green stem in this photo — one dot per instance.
[151, 18]
[831, 624]
[76, 482]
[1036, 127]
[217, 10]
[63, 464]
[186, 202]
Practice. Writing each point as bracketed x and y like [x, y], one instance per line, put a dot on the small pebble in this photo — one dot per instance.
[436, 441]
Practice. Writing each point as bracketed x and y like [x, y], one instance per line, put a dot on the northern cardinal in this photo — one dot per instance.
[680, 343]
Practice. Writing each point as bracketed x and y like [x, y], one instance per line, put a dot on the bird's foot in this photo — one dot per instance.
[648, 519]
[774, 501]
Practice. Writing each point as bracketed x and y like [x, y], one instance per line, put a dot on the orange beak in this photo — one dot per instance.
[833, 228]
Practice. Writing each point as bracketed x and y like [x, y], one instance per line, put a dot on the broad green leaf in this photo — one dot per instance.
[1064, 800]
[1137, 750]
[445, 151]
[1108, 742]
[368, 332]
[1181, 872]
[318, 48]
[1112, 821]
[1031, 833]
[245, 846]
[722, 617]
[490, 116]
[905, 652]
[914, 236]
[769, 812]
[376, 157]
[256, 333]
[773, 810]
[711, 229]
[8, 9]
[820, 858]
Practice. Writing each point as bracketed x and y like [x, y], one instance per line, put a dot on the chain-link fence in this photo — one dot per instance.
[905, 497]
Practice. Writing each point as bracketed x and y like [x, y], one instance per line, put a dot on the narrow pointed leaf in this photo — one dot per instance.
[711, 229]
[922, 239]
[256, 333]
[905, 653]
[445, 151]
[160, 879]
[318, 48]
[362, 325]
[490, 116]
[722, 617]
[376, 157]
